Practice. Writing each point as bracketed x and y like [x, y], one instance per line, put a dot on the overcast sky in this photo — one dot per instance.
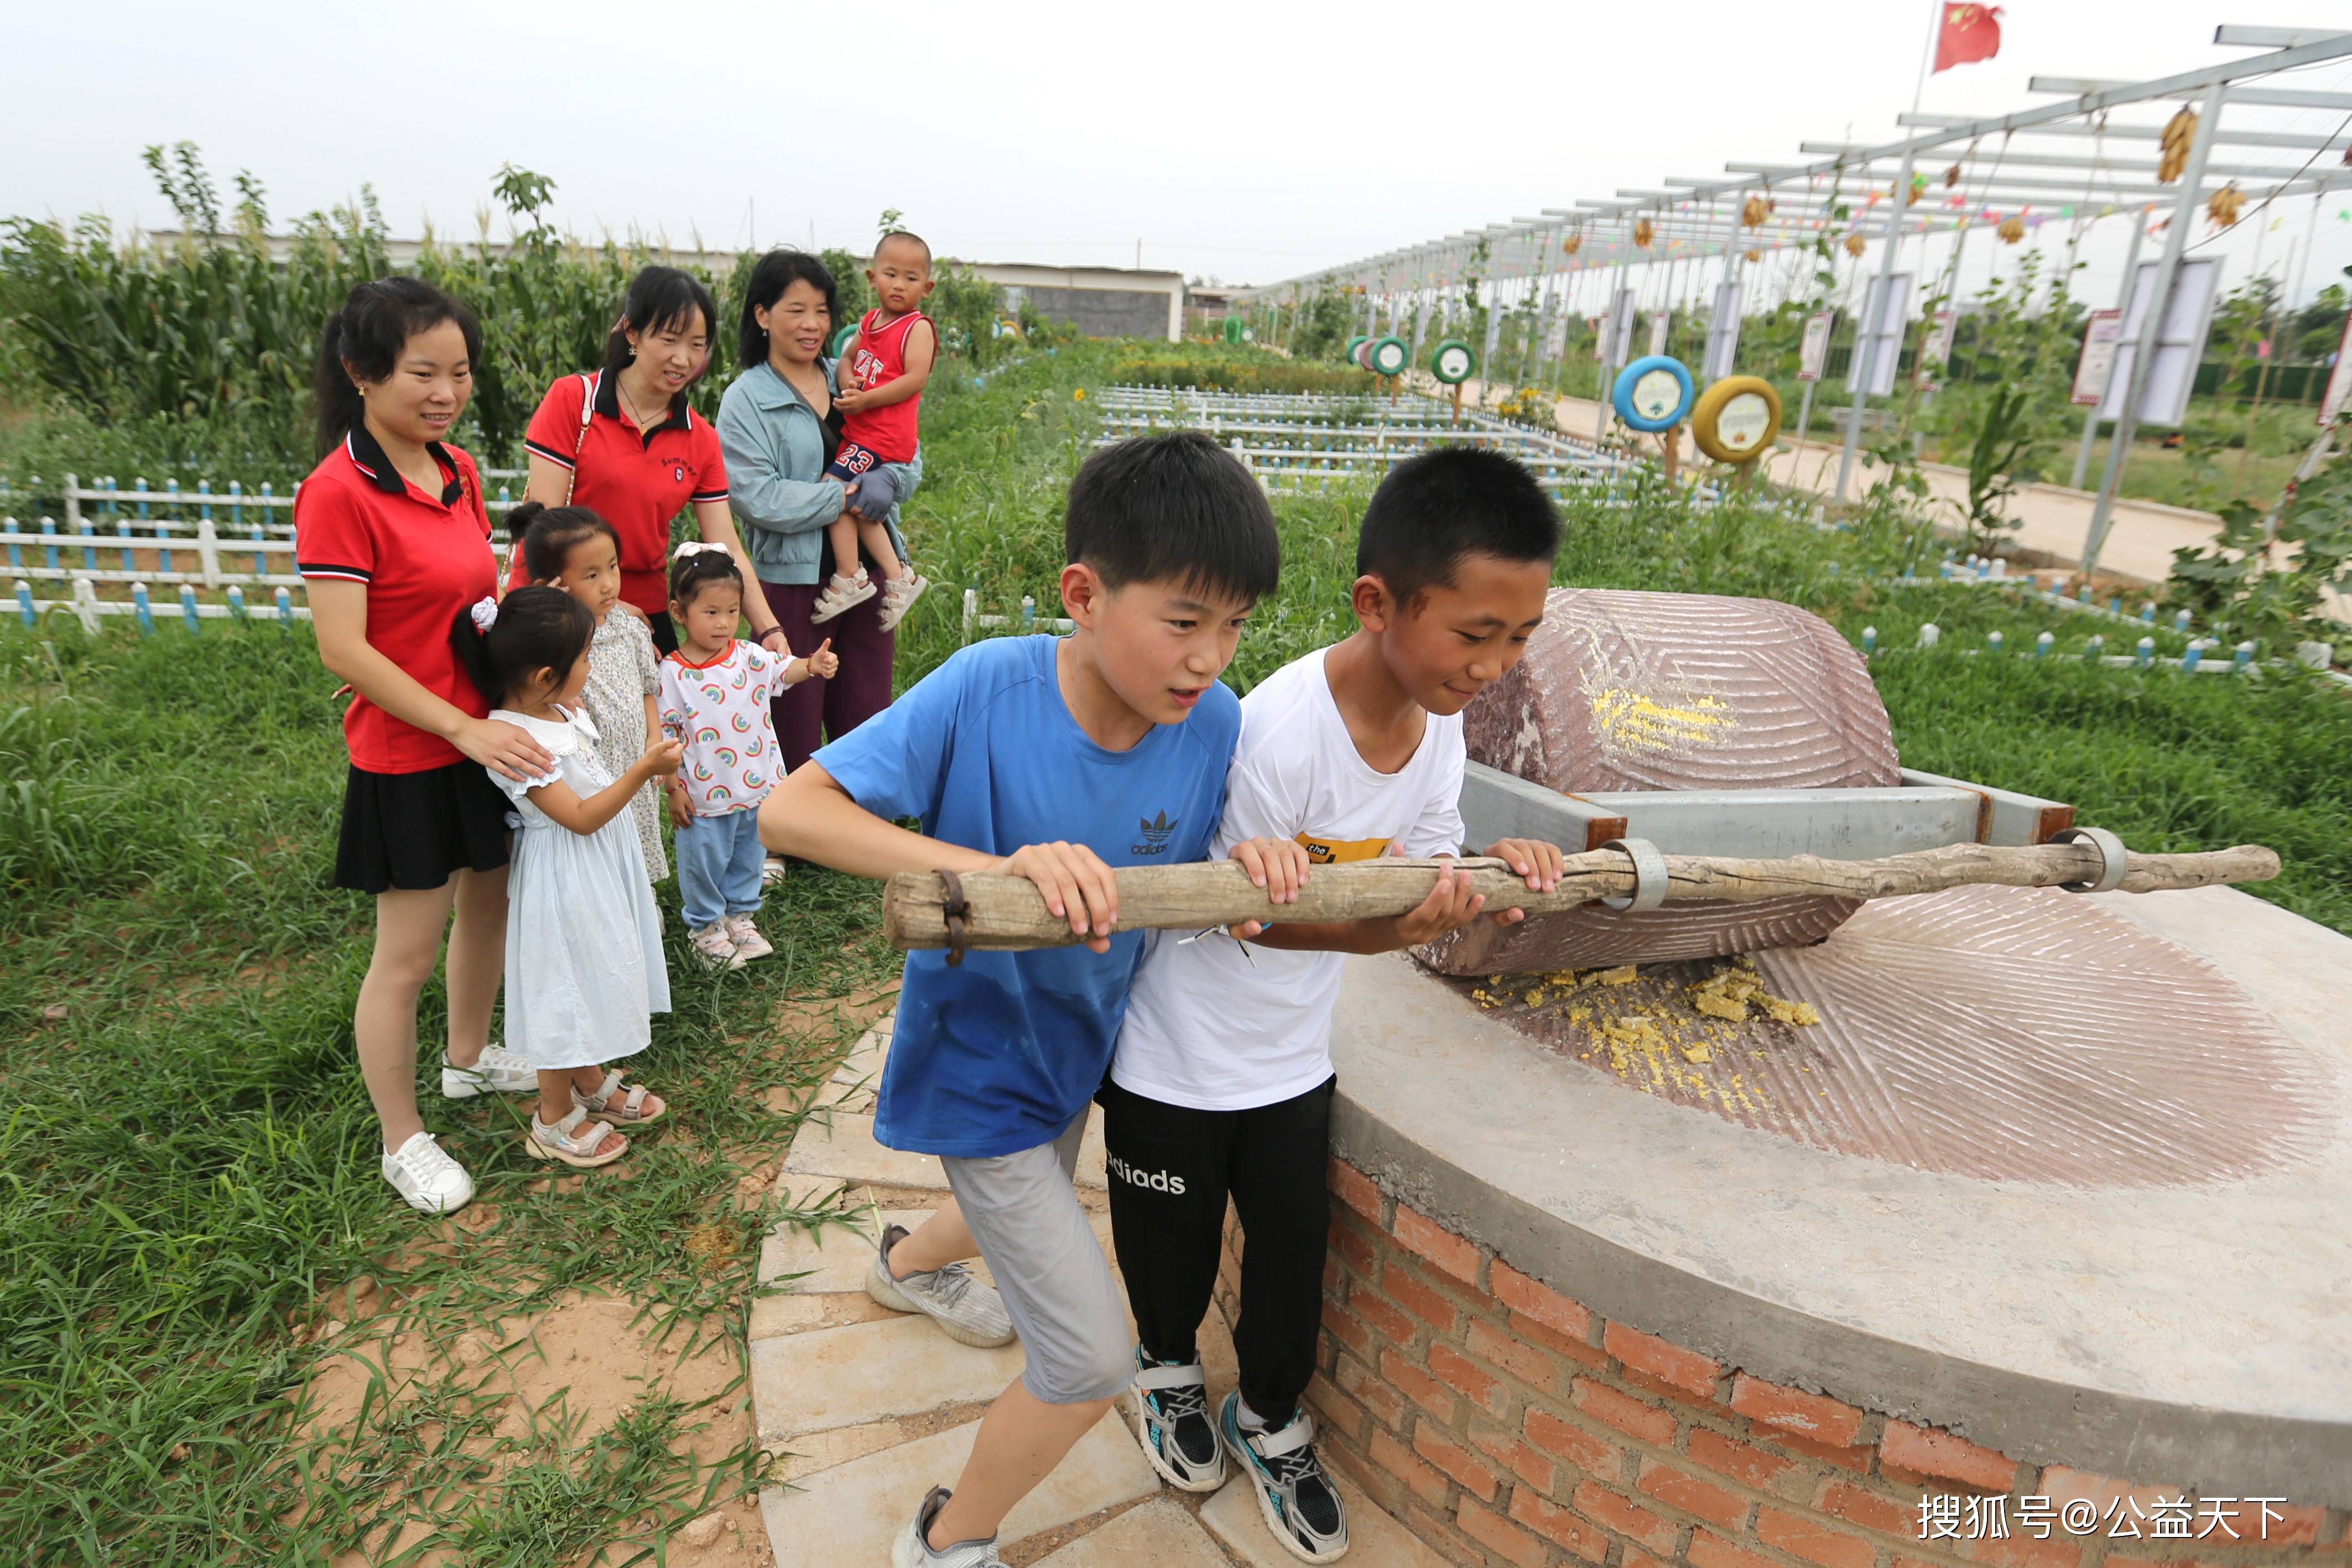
[1244, 141]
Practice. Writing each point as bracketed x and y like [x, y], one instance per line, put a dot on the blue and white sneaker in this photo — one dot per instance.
[1296, 1495]
[1172, 1423]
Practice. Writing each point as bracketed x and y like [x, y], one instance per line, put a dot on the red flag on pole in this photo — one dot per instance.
[1967, 33]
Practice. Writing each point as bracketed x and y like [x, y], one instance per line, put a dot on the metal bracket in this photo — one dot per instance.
[2112, 858]
[1649, 875]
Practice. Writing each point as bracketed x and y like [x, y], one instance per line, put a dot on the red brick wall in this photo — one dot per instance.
[1504, 1422]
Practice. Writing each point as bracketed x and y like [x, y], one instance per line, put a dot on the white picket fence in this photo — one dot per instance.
[222, 542]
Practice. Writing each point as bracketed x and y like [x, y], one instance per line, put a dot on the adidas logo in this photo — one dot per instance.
[1153, 1181]
[1155, 830]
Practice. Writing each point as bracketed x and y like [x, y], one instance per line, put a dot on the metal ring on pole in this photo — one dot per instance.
[1649, 875]
[2114, 860]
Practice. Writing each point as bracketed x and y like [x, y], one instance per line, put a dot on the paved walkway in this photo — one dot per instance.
[866, 1409]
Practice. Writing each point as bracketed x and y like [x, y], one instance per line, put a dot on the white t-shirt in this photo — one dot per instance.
[1217, 1030]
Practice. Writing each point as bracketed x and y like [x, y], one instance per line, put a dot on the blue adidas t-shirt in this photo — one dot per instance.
[998, 1054]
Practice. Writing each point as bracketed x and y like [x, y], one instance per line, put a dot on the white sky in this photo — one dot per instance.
[1247, 141]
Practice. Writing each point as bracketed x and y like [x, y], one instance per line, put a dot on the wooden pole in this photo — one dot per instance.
[1005, 912]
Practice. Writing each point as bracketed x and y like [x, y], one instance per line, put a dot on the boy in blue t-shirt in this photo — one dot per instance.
[1054, 759]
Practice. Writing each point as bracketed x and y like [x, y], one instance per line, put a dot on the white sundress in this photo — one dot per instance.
[584, 969]
[623, 671]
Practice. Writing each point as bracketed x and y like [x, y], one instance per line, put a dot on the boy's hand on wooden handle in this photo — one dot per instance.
[1075, 885]
[1453, 902]
[1277, 865]
[1537, 864]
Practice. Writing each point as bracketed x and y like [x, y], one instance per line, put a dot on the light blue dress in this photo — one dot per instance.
[585, 965]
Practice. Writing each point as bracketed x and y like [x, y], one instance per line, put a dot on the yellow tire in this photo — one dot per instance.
[1736, 420]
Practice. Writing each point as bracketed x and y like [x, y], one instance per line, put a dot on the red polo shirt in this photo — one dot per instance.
[636, 483]
[423, 558]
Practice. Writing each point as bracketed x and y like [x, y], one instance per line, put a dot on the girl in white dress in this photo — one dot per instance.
[573, 548]
[584, 971]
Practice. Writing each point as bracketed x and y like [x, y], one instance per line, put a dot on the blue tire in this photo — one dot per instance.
[1652, 413]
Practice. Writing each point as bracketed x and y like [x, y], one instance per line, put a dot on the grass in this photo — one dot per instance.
[185, 1171]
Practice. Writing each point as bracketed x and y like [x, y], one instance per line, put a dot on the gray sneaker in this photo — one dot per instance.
[1172, 1423]
[913, 1547]
[1294, 1492]
[966, 1311]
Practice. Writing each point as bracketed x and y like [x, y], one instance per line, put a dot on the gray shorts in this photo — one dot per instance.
[1023, 1210]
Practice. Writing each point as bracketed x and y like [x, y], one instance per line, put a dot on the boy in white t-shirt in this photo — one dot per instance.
[1222, 1082]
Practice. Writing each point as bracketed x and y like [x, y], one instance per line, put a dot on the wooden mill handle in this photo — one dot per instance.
[1008, 913]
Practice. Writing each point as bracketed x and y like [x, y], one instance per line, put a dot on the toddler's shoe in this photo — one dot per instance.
[430, 1181]
[749, 943]
[898, 596]
[715, 947]
[840, 594]
[497, 1072]
[575, 1141]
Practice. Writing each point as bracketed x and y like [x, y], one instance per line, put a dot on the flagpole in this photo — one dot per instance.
[1927, 55]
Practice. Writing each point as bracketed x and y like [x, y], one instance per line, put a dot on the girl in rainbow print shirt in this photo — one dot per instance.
[715, 692]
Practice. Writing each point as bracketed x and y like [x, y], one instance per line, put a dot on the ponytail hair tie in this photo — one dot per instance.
[485, 612]
[695, 546]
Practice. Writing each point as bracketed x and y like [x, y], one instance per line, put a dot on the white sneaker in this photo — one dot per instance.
[749, 943]
[898, 596]
[498, 1071]
[430, 1180]
[840, 594]
[715, 947]
[913, 1547]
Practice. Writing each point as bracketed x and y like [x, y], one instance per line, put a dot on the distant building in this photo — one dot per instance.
[1205, 308]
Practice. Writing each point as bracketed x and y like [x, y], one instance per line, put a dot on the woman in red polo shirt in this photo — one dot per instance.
[621, 442]
[392, 540]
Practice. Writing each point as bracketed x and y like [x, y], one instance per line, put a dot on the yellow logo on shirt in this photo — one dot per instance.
[1339, 851]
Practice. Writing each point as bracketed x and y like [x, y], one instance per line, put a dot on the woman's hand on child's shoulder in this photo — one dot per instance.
[1277, 865]
[503, 747]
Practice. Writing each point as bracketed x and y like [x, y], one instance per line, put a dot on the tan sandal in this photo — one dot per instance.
[575, 1141]
[629, 1110]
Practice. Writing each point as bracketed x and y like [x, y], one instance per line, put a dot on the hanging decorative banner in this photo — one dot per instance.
[2098, 360]
[1815, 351]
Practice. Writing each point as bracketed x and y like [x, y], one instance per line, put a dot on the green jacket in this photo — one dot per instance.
[775, 447]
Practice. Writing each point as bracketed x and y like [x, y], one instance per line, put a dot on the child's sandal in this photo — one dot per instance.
[628, 1110]
[575, 1141]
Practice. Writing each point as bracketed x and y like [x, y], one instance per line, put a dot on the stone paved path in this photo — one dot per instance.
[866, 1409]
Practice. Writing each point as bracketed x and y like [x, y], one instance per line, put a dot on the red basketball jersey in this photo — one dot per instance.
[880, 356]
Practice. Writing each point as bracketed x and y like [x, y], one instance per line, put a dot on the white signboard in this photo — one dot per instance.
[1617, 335]
[1743, 422]
[1815, 349]
[1723, 330]
[2179, 342]
[1879, 337]
[1658, 321]
[1936, 351]
[2093, 370]
[2339, 378]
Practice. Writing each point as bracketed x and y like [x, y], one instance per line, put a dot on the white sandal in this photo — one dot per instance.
[629, 1112]
[898, 596]
[840, 594]
[583, 1148]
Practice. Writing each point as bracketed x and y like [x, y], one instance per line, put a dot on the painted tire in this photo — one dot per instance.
[1653, 394]
[1388, 356]
[1354, 343]
[1735, 420]
[1453, 361]
[839, 347]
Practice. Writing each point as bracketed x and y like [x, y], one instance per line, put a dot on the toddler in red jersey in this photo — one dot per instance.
[881, 394]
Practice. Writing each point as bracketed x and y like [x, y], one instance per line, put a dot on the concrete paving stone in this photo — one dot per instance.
[773, 1317]
[1374, 1540]
[834, 1257]
[846, 1150]
[1155, 1535]
[867, 1372]
[864, 1062]
[847, 1516]
[814, 1452]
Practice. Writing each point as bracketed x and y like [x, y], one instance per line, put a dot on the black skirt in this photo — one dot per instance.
[415, 831]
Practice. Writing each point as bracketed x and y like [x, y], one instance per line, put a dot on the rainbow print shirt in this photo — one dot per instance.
[719, 711]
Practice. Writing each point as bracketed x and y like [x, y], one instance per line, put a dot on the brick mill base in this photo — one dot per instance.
[1503, 1422]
